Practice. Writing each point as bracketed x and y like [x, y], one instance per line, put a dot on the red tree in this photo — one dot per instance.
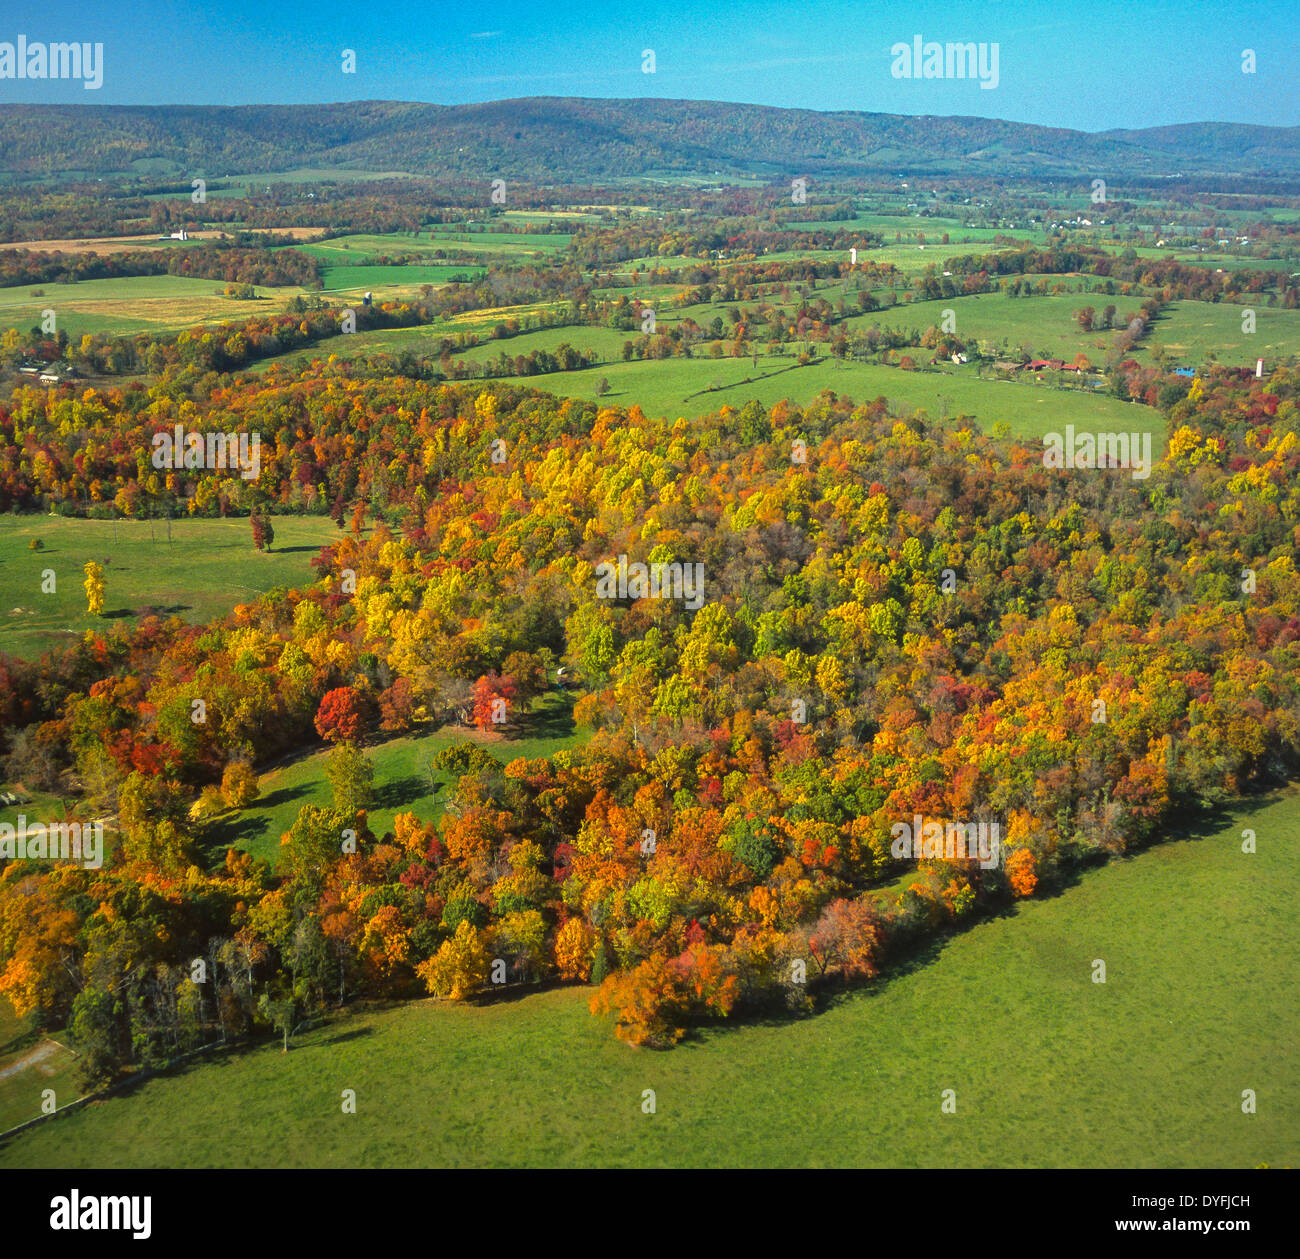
[493, 701]
[341, 717]
[397, 706]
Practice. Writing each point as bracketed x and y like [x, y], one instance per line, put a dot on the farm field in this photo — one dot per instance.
[387, 281]
[606, 342]
[1192, 331]
[150, 240]
[552, 216]
[908, 225]
[126, 304]
[1049, 1068]
[681, 387]
[1046, 328]
[209, 566]
[357, 248]
[490, 242]
[402, 781]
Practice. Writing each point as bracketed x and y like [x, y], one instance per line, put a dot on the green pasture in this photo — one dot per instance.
[206, 568]
[1048, 1068]
[403, 782]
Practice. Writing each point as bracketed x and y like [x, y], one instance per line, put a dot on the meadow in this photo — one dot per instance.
[474, 239]
[29, 1064]
[1044, 327]
[1189, 332]
[697, 386]
[139, 303]
[403, 781]
[684, 387]
[386, 282]
[448, 238]
[1193, 332]
[1050, 1069]
[206, 568]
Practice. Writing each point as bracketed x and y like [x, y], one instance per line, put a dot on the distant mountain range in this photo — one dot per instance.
[578, 139]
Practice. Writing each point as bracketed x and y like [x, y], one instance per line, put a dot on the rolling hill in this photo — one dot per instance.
[552, 138]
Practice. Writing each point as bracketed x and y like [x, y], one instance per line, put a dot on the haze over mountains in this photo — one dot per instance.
[568, 138]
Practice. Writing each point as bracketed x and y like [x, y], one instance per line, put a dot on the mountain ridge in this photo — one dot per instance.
[576, 138]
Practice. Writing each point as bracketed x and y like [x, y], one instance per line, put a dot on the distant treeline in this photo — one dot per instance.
[1176, 279]
[233, 264]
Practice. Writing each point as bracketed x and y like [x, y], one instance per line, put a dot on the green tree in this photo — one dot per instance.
[281, 1011]
[95, 1029]
[311, 848]
[352, 779]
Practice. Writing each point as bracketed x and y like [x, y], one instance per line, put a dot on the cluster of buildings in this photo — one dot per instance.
[1037, 365]
[50, 373]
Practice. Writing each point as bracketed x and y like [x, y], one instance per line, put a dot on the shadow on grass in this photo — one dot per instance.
[509, 994]
[356, 1033]
[909, 956]
[283, 795]
[224, 1055]
[232, 834]
[243, 830]
[554, 721]
[27, 1039]
[401, 791]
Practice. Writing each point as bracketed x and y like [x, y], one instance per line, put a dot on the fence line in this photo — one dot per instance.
[108, 1091]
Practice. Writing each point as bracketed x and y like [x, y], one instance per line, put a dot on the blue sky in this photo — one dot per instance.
[1093, 66]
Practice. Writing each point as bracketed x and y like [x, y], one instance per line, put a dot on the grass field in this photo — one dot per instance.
[932, 228]
[209, 566]
[138, 303]
[1191, 330]
[402, 782]
[682, 387]
[380, 279]
[29, 1064]
[666, 388]
[520, 244]
[1043, 327]
[450, 238]
[1049, 1068]
[1046, 327]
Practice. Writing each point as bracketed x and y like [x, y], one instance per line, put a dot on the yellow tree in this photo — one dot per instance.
[94, 588]
[574, 948]
[459, 968]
